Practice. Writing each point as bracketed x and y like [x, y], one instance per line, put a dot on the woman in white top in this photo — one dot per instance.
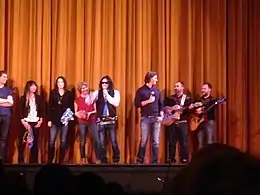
[31, 112]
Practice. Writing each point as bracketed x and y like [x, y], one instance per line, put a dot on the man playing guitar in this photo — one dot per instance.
[206, 128]
[179, 129]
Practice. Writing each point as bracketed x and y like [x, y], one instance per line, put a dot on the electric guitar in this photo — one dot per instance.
[170, 118]
[197, 119]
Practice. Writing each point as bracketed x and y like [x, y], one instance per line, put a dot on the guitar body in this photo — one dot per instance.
[170, 118]
[195, 121]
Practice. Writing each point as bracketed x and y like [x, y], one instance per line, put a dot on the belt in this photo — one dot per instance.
[152, 116]
[179, 122]
[106, 122]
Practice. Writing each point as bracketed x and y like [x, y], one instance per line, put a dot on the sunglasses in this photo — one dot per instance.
[104, 82]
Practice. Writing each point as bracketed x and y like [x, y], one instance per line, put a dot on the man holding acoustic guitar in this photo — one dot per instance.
[204, 120]
[176, 122]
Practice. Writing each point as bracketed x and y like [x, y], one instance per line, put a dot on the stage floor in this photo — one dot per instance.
[134, 178]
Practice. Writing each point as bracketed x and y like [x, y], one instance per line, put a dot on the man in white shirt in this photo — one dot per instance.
[107, 100]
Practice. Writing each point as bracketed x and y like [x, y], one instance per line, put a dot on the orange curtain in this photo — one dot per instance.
[243, 70]
[189, 40]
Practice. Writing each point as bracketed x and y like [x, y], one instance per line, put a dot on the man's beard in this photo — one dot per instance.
[204, 94]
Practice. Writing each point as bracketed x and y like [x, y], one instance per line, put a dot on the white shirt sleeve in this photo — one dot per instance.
[10, 98]
[114, 100]
[94, 96]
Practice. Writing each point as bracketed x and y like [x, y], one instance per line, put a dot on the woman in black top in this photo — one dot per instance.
[60, 99]
[31, 108]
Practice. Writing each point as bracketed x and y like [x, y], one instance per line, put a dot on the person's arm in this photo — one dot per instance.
[76, 107]
[22, 107]
[138, 100]
[95, 109]
[161, 105]
[22, 116]
[50, 107]
[9, 101]
[167, 108]
[92, 112]
[41, 108]
[94, 96]
[71, 102]
[114, 100]
[40, 111]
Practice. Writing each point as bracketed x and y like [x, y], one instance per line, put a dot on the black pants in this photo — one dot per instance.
[4, 130]
[34, 148]
[111, 130]
[178, 132]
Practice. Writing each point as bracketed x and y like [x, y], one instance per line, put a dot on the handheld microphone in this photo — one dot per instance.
[152, 93]
[105, 94]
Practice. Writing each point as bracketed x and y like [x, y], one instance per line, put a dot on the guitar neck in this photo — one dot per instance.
[212, 106]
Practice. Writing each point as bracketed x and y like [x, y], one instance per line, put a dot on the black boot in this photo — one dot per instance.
[51, 154]
[62, 154]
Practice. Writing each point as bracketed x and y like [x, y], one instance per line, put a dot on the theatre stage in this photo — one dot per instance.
[134, 178]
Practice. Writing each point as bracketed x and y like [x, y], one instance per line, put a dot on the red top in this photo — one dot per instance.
[82, 106]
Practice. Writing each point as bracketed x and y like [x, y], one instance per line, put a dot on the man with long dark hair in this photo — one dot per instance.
[107, 100]
[149, 99]
[6, 102]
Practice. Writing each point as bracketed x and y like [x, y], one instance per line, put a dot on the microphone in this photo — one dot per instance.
[105, 94]
[152, 93]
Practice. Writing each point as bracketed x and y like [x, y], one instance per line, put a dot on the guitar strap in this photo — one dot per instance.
[183, 99]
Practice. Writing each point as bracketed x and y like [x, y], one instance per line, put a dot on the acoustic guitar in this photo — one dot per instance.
[170, 118]
[197, 119]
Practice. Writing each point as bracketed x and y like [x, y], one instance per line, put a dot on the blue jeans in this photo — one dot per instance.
[92, 127]
[111, 129]
[178, 132]
[149, 125]
[206, 130]
[63, 141]
[4, 130]
[34, 149]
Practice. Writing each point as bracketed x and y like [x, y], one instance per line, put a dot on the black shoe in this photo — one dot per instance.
[184, 161]
[116, 163]
[154, 163]
[21, 162]
[171, 161]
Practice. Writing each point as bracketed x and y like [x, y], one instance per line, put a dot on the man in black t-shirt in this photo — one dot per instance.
[178, 131]
[206, 128]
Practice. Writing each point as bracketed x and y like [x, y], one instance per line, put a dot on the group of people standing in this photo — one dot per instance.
[154, 109]
[96, 112]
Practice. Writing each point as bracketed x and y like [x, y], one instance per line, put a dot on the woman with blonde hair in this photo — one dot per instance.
[85, 110]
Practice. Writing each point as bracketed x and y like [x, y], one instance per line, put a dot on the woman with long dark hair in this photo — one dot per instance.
[60, 100]
[31, 108]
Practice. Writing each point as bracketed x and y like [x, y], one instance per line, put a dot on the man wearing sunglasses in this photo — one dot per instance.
[107, 100]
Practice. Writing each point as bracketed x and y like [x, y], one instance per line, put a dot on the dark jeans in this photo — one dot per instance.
[92, 127]
[34, 148]
[63, 142]
[178, 132]
[111, 130]
[149, 125]
[4, 130]
[206, 131]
